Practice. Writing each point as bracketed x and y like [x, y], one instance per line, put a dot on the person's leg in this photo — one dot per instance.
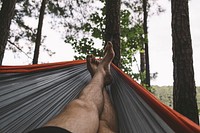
[108, 120]
[82, 114]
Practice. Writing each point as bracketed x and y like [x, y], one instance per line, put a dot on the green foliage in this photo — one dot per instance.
[20, 30]
[83, 25]
[84, 46]
[165, 95]
[94, 29]
[131, 40]
[22, 33]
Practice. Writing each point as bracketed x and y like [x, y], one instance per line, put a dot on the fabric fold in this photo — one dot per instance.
[31, 95]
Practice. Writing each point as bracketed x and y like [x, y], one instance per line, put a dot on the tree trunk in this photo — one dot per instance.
[39, 33]
[113, 27]
[6, 15]
[145, 28]
[184, 93]
[142, 65]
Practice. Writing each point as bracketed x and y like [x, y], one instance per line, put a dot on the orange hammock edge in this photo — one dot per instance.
[176, 121]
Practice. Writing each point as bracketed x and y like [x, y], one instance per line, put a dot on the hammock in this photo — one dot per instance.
[32, 95]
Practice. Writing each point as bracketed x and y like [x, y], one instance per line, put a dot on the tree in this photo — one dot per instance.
[94, 28]
[112, 31]
[184, 90]
[39, 33]
[23, 32]
[82, 35]
[143, 45]
[145, 15]
[6, 15]
[22, 35]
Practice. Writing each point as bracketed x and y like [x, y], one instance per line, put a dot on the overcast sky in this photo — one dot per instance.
[160, 45]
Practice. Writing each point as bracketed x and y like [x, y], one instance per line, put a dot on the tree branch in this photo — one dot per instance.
[19, 48]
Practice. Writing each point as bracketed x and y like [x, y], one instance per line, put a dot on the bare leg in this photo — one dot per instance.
[108, 119]
[82, 115]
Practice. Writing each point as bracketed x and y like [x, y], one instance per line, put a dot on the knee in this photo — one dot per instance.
[83, 105]
[104, 128]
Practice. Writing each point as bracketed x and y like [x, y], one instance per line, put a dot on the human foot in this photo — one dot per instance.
[92, 64]
[108, 55]
[102, 66]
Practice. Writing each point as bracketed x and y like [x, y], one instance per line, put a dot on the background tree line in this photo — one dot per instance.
[124, 22]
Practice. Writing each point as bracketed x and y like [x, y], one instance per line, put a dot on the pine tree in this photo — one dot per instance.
[6, 15]
[184, 93]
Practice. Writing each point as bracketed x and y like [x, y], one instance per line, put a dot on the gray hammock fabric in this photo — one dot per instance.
[134, 115]
[29, 100]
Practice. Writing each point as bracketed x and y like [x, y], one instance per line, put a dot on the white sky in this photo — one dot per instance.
[160, 45]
